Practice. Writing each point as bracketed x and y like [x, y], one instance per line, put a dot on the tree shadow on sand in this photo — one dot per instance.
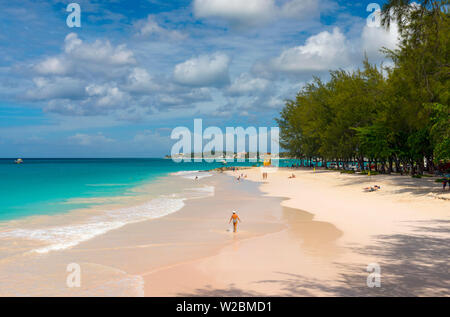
[230, 291]
[405, 184]
[411, 265]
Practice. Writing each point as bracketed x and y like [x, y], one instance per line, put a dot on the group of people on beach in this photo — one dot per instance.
[241, 177]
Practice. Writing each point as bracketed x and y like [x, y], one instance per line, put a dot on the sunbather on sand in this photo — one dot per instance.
[372, 189]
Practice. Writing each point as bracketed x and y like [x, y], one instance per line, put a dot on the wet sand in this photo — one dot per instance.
[119, 261]
[403, 229]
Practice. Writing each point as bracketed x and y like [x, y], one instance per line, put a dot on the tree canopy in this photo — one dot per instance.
[395, 116]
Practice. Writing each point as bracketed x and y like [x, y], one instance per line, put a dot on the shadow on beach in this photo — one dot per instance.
[405, 183]
[413, 264]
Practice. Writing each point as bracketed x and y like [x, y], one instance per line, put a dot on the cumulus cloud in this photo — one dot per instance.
[98, 99]
[246, 84]
[54, 88]
[106, 95]
[140, 81]
[98, 78]
[254, 12]
[149, 27]
[321, 52]
[373, 39]
[204, 71]
[52, 65]
[132, 82]
[98, 52]
[235, 11]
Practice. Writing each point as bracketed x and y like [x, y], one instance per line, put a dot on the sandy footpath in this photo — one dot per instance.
[404, 228]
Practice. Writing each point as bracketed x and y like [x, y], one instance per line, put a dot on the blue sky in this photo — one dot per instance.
[134, 70]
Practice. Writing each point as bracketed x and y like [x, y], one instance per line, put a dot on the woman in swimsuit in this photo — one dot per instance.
[235, 218]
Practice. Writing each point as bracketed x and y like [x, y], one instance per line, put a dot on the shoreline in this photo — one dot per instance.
[279, 250]
[150, 199]
[384, 229]
[137, 248]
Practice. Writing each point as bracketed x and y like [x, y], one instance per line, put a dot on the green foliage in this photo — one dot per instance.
[440, 131]
[398, 114]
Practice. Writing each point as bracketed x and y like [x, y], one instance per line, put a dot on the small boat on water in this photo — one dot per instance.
[18, 161]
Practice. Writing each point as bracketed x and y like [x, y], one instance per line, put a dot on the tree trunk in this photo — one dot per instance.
[420, 167]
[390, 165]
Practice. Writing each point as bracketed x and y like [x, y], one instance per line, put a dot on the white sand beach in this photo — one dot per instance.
[404, 228]
[313, 235]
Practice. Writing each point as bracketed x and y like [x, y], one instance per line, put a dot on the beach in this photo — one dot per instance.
[312, 235]
[403, 228]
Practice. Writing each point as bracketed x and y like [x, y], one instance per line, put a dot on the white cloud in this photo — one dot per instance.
[254, 12]
[52, 65]
[87, 140]
[106, 95]
[140, 81]
[246, 84]
[59, 87]
[275, 103]
[375, 38]
[205, 70]
[321, 52]
[98, 52]
[299, 8]
[235, 11]
[150, 27]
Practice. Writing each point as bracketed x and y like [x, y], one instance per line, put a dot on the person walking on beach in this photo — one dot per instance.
[235, 218]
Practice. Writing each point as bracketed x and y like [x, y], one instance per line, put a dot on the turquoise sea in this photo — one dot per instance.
[44, 186]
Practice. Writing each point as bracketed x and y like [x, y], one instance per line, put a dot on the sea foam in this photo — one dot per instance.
[65, 237]
[192, 174]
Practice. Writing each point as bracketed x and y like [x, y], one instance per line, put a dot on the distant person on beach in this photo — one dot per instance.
[444, 184]
[235, 218]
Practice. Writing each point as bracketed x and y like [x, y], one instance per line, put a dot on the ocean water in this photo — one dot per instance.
[51, 186]
[51, 207]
